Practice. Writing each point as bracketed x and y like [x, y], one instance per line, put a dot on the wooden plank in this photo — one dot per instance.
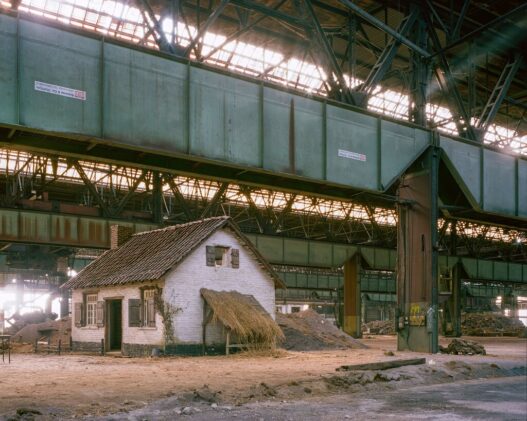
[385, 365]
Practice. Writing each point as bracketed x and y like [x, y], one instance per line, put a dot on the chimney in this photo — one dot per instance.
[119, 234]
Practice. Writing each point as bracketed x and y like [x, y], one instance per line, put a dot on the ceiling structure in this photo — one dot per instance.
[437, 63]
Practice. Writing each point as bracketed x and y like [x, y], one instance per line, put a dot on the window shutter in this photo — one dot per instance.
[78, 310]
[211, 255]
[151, 313]
[134, 312]
[235, 258]
[100, 314]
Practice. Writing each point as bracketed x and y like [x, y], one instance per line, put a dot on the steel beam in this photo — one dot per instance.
[329, 53]
[203, 28]
[499, 92]
[383, 27]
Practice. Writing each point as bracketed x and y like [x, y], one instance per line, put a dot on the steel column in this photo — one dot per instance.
[352, 297]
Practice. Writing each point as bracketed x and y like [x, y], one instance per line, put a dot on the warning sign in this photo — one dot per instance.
[343, 153]
[60, 90]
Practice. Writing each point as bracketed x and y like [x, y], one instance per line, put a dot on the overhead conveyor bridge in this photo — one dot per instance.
[83, 95]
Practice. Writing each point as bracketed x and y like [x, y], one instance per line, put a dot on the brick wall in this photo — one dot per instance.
[119, 234]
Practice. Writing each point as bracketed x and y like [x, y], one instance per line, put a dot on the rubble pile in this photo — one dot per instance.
[309, 331]
[49, 331]
[463, 347]
[19, 321]
[379, 327]
[491, 324]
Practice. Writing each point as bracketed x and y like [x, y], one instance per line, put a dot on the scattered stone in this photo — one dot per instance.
[389, 353]
[214, 405]
[27, 411]
[463, 347]
[205, 394]
[187, 410]
[307, 390]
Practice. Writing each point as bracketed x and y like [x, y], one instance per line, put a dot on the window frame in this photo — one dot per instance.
[148, 311]
[91, 309]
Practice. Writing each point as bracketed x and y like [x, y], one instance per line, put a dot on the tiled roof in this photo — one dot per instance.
[147, 256]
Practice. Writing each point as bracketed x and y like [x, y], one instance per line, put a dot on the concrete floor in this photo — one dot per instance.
[496, 399]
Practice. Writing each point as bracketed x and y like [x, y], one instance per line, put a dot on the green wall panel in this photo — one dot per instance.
[522, 188]
[499, 183]
[400, 146]
[276, 128]
[351, 148]
[467, 162]
[142, 99]
[309, 138]
[71, 62]
[8, 68]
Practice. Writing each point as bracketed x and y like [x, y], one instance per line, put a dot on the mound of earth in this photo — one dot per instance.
[55, 330]
[491, 324]
[309, 331]
[379, 327]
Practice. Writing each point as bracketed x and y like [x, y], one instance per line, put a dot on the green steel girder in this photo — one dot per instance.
[47, 228]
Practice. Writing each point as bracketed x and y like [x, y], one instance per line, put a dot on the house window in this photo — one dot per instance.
[149, 313]
[219, 256]
[91, 309]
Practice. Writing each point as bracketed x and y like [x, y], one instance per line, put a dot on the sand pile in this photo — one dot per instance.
[309, 331]
[491, 324]
[55, 330]
[379, 327]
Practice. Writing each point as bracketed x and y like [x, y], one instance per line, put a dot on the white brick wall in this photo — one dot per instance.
[131, 335]
[181, 288]
[184, 282]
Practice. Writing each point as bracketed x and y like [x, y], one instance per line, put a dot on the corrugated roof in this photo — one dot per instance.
[147, 256]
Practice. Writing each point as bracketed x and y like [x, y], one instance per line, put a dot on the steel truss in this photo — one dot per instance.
[361, 54]
[52, 183]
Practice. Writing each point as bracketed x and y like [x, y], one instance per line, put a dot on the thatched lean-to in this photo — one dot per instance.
[243, 316]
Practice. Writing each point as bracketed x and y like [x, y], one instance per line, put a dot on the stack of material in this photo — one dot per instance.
[491, 324]
[52, 330]
[379, 327]
[309, 331]
[463, 347]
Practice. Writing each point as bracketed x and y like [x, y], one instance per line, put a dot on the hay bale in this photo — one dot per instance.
[243, 316]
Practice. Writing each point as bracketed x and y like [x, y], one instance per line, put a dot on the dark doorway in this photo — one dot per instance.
[115, 325]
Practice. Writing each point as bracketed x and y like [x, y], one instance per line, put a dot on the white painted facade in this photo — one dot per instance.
[181, 288]
[131, 335]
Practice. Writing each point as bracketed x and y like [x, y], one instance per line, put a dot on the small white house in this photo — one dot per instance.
[146, 291]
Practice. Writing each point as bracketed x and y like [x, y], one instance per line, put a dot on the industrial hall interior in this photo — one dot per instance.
[263, 210]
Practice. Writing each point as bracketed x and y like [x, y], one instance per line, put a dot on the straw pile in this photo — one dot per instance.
[244, 316]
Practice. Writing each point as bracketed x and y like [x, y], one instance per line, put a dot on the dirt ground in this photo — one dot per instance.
[79, 385]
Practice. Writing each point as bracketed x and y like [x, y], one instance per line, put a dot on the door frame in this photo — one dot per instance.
[107, 312]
